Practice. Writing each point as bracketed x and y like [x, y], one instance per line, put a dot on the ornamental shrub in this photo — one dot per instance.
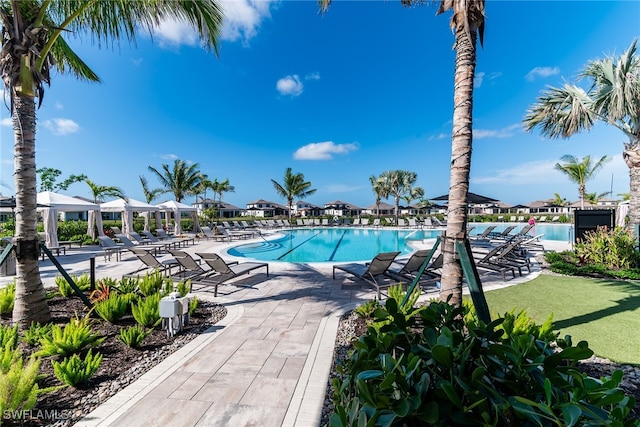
[7, 298]
[613, 249]
[113, 308]
[133, 335]
[147, 311]
[83, 282]
[435, 369]
[34, 334]
[19, 388]
[74, 337]
[73, 370]
[151, 283]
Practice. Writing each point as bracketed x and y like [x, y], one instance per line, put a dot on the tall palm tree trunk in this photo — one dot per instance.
[461, 142]
[30, 302]
[631, 156]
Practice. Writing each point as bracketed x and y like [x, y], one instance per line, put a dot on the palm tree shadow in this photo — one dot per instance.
[629, 303]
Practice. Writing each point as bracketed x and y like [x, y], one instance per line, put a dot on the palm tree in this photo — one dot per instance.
[376, 185]
[181, 181]
[413, 194]
[293, 187]
[100, 191]
[398, 183]
[150, 195]
[32, 46]
[580, 171]
[467, 21]
[594, 198]
[558, 200]
[613, 97]
[221, 187]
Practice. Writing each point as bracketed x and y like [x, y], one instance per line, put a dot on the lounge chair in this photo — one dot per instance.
[149, 261]
[183, 241]
[555, 219]
[356, 221]
[127, 243]
[402, 223]
[233, 234]
[413, 223]
[501, 235]
[436, 222]
[494, 260]
[226, 271]
[372, 272]
[146, 241]
[428, 222]
[484, 236]
[376, 222]
[325, 222]
[190, 268]
[209, 234]
[412, 266]
[364, 222]
[521, 219]
[110, 247]
[512, 218]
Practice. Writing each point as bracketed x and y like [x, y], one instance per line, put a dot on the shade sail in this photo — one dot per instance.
[471, 198]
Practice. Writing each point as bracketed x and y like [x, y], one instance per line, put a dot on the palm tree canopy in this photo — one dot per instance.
[613, 97]
[99, 191]
[150, 194]
[293, 187]
[182, 180]
[580, 171]
[26, 68]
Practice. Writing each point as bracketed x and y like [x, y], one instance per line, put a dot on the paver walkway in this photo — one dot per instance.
[265, 364]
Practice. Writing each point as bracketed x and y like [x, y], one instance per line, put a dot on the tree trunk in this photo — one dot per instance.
[30, 302]
[461, 142]
[631, 156]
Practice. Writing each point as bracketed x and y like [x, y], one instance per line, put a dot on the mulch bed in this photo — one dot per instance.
[120, 365]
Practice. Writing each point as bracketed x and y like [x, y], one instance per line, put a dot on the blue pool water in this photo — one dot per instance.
[331, 244]
[336, 244]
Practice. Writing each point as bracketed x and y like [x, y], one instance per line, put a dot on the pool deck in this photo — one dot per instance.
[266, 363]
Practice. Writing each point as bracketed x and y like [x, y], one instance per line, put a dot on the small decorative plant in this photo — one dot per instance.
[74, 337]
[147, 311]
[7, 298]
[151, 283]
[74, 370]
[33, 336]
[113, 308]
[133, 335]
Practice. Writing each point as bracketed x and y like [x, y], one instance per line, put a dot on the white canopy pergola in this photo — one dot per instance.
[53, 203]
[128, 207]
[177, 208]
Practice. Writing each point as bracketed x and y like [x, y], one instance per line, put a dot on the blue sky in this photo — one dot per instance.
[339, 97]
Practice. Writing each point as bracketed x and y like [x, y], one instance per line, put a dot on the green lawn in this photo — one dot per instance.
[605, 313]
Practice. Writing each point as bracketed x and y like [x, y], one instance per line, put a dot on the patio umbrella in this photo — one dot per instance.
[127, 222]
[50, 220]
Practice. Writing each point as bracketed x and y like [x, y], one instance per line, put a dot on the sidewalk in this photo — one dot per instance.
[265, 364]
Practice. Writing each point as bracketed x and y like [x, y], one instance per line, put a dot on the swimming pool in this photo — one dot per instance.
[335, 244]
[331, 244]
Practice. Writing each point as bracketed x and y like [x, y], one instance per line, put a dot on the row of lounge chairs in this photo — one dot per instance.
[217, 272]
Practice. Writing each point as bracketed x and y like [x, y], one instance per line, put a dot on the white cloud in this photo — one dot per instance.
[496, 133]
[341, 188]
[169, 157]
[495, 75]
[477, 82]
[312, 76]
[61, 126]
[322, 150]
[137, 61]
[290, 85]
[6, 121]
[541, 171]
[58, 106]
[542, 72]
[440, 136]
[175, 33]
[243, 18]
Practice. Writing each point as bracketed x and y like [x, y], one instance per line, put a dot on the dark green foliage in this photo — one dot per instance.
[147, 311]
[74, 337]
[434, 369]
[7, 298]
[568, 263]
[73, 370]
[113, 308]
[33, 335]
[133, 335]
[73, 230]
